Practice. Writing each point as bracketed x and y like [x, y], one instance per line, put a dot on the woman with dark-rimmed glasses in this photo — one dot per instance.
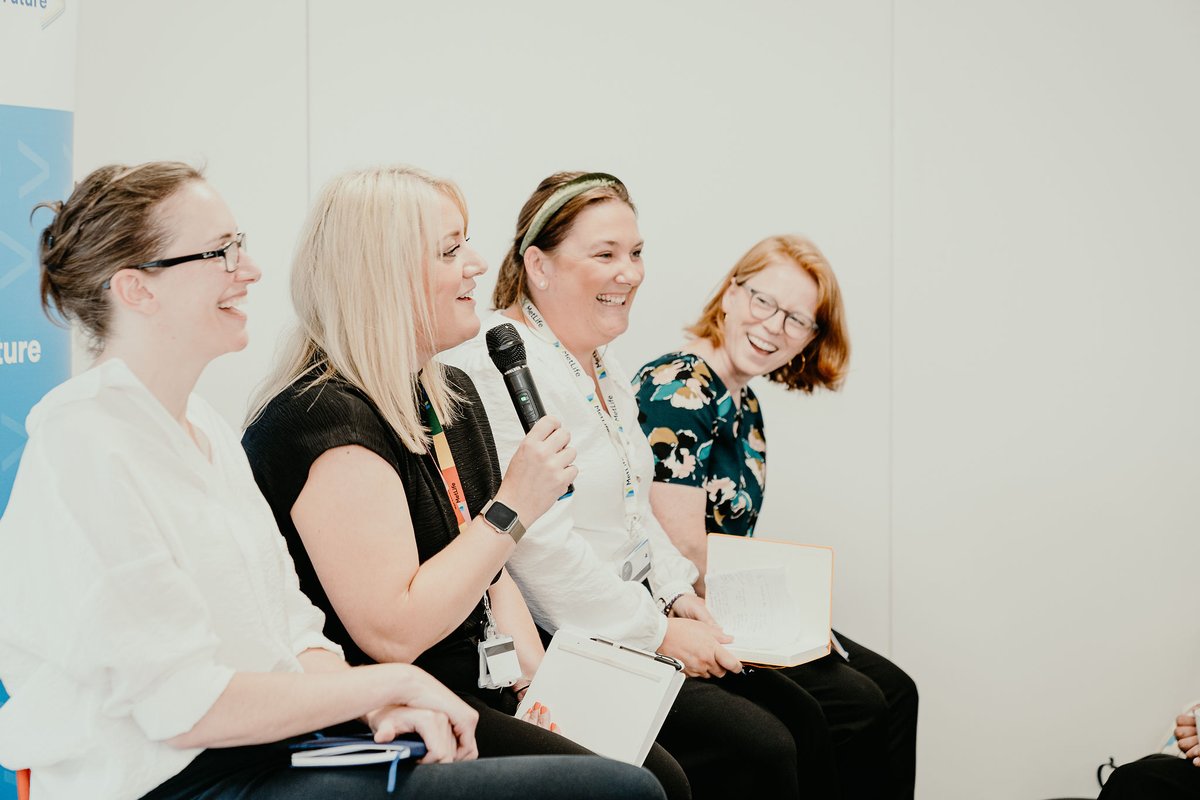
[155, 642]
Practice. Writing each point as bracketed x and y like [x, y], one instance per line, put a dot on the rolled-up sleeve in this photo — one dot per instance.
[145, 628]
[565, 584]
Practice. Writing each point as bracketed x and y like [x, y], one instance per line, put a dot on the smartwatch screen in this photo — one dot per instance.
[501, 516]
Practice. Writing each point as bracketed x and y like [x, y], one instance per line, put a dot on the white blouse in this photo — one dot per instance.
[567, 563]
[136, 578]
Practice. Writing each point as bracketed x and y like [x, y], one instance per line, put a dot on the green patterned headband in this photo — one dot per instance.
[564, 193]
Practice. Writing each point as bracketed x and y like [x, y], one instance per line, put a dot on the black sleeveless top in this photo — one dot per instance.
[302, 422]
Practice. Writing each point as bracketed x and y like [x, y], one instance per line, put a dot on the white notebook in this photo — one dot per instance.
[605, 696]
[774, 598]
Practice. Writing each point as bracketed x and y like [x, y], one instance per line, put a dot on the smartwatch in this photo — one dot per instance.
[503, 519]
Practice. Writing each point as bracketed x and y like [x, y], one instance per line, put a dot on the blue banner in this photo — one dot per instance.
[35, 354]
[35, 165]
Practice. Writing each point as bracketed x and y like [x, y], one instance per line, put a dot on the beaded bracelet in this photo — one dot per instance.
[667, 606]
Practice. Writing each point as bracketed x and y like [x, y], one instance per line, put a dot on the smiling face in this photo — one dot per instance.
[197, 302]
[591, 277]
[452, 281]
[753, 347]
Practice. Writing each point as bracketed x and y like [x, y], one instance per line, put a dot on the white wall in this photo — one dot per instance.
[221, 84]
[1046, 448]
[713, 160]
[1003, 190]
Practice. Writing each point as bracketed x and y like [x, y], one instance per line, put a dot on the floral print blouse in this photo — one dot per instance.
[701, 437]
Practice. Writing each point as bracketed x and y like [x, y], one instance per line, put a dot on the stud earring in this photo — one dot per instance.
[542, 285]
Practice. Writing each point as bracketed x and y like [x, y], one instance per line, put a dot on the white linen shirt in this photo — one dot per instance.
[136, 578]
[567, 563]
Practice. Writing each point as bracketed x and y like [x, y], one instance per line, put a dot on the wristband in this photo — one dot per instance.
[669, 604]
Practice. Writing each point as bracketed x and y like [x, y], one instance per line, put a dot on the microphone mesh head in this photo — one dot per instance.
[505, 347]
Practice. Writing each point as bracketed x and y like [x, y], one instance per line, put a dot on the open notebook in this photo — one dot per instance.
[774, 598]
[608, 697]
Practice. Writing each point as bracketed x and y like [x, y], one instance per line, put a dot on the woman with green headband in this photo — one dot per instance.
[567, 286]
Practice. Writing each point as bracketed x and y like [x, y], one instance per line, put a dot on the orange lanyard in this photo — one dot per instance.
[454, 490]
[445, 461]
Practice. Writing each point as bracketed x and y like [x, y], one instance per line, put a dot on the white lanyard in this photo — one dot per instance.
[610, 420]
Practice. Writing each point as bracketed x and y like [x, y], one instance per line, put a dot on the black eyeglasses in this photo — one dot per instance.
[763, 307]
[230, 253]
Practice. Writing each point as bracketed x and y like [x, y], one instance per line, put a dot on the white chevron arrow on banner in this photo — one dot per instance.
[53, 12]
[39, 162]
[13, 457]
[26, 260]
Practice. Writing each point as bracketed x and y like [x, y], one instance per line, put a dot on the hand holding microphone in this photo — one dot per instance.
[507, 351]
[545, 458]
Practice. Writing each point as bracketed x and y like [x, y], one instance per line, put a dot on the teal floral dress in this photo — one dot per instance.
[701, 437]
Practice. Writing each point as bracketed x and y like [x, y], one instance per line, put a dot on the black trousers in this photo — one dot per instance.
[1156, 777]
[262, 772]
[757, 734]
[870, 706]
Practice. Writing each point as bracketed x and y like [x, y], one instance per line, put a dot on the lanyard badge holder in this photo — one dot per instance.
[498, 664]
[636, 564]
[635, 561]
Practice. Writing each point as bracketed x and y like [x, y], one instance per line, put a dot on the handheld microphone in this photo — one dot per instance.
[507, 351]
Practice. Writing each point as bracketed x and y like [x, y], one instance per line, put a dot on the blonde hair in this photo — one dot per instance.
[360, 287]
[825, 360]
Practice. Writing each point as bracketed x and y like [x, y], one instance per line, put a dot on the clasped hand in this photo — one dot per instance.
[694, 638]
[441, 744]
[1186, 737]
[426, 707]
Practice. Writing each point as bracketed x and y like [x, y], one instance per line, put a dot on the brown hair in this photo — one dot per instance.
[108, 223]
[510, 281]
[823, 361]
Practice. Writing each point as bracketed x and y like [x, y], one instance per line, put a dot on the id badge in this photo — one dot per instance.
[636, 563]
[498, 665]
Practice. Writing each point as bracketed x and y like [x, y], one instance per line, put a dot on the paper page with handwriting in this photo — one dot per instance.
[775, 598]
[751, 605]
